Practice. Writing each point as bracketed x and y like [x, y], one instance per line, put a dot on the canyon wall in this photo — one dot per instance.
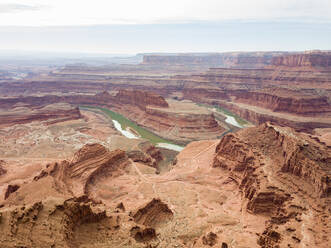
[141, 98]
[282, 175]
[307, 125]
[300, 105]
[233, 60]
[265, 186]
[147, 109]
[51, 113]
[308, 59]
[294, 84]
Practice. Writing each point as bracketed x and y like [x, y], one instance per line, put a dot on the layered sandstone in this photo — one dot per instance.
[297, 98]
[90, 164]
[2, 168]
[237, 60]
[294, 103]
[297, 84]
[51, 113]
[147, 154]
[283, 175]
[59, 209]
[308, 60]
[259, 115]
[140, 98]
[182, 122]
[266, 186]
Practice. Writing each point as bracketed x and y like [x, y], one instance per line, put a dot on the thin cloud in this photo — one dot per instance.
[11, 8]
[103, 12]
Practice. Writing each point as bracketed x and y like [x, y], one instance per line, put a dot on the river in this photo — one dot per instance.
[131, 135]
[126, 133]
[231, 120]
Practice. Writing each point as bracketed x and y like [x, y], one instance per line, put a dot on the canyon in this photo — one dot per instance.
[265, 186]
[177, 150]
[286, 88]
[180, 121]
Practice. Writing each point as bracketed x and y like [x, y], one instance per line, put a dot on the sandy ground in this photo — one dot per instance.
[200, 196]
[36, 141]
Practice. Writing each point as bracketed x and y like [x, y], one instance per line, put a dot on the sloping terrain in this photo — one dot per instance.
[266, 186]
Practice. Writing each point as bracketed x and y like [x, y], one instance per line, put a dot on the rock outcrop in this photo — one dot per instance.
[140, 98]
[11, 189]
[2, 168]
[147, 154]
[293, 84]
[210, 239]
[182, 127]
[49, 114]
[266, 186]
[56, 222]
[282, 174]
[154, 214]
[307, 125]
[287, 103]
[308, 60]
[91, 164]
[147, 109]
[71, 215]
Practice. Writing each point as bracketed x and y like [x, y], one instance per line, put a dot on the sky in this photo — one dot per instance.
[133, 26]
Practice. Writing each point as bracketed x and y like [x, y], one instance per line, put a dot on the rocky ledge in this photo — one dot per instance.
[284, 176]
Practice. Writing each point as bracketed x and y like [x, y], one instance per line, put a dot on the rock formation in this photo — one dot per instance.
[51, 113]
[288, 103]
[2, 168]
[282, 175]
[147, 154]
[11, 189]
[238, 60]
[154, 214]
[147, 109]
[261, 86]
[90, 164]
[140, 98]
[65, 223]
[308, 60]
[265, 186]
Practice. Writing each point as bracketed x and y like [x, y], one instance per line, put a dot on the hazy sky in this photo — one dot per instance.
[130, 26]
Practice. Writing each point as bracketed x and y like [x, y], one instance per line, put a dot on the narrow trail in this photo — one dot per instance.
[153, 180]
[194, 158]
[138, 171]
[145, 179]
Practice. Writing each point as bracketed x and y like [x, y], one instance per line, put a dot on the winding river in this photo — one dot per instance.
[126, 133]
[131, 135]
[231, 120]
[123, 125]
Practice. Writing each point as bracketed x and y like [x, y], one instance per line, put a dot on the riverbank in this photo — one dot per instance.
[230, 117]
[124, 126]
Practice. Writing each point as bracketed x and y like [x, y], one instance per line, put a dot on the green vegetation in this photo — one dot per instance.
[145, 134]
[241, 121]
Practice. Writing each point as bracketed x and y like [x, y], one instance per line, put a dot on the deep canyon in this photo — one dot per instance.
[178, 150]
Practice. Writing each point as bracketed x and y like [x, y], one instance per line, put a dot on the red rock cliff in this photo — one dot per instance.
[141, 98]
[301, 105]
[282, 175]
[312, 59]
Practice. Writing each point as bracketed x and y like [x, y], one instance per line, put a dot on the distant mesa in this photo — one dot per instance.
[313, 59]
